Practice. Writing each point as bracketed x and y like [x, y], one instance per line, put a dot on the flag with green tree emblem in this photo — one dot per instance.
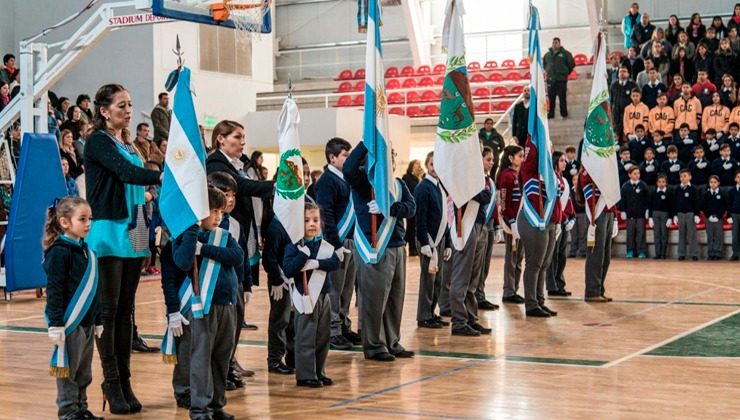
[598, 150]
[290, 192]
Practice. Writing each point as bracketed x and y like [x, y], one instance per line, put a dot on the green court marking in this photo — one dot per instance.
[556, 361]
[653, 302]
[721, 339]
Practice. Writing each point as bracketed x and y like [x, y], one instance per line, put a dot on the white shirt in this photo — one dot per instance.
[333, 169]
[236, 163]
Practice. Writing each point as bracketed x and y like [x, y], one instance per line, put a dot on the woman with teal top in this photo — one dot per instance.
[115, 181]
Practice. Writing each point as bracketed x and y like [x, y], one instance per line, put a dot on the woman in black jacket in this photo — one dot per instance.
[115, 180]
[724, 62]
[682, 65]
[414, 174]
[74, 121]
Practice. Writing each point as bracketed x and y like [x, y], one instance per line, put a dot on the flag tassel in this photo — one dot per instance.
[59, 372]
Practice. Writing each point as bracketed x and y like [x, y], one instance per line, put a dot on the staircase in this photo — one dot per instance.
[568, 132]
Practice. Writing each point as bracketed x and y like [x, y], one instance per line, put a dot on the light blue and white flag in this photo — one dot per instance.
[539, 215]
[183, 200]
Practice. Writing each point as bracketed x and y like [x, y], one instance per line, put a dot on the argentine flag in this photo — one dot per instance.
[539, 132]
[183, 200]
[375, 120]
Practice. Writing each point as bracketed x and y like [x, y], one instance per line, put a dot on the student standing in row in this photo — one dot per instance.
[634, 208]
[510, 197]
[661, 205]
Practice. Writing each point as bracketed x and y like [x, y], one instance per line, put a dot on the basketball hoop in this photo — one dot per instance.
[247, 15]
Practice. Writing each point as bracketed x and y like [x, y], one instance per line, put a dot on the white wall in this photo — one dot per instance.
[661, 9]
[7, 30]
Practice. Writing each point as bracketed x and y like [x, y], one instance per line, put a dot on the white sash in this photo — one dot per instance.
[468, 220]
[305, 303]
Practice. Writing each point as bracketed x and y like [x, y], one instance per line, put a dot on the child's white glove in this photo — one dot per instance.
[247, 298]
[668, 223]
[340, 253]
[727, 166]
[569, 225]
[675, 167]
[514, 231]
[714, 147]
[198, 246]
[696, 220]
[688, 141]
[276, 292]
[660, 149]
[573, 172]
[304, 249]
[56, 335]
[675, 220]
[498, 236]
[719, 135]
[175, 321]
[98, 331]
[650, 168]
[701, 165]
[729, 220]
[631, 137]
[615, 229]
[651, 223]
[310, 265]
[713, 219]
[447, 254]
[426, 251]
[623, 215]
[372, 207]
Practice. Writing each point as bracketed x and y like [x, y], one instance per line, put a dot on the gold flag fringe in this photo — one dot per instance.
[59, 372]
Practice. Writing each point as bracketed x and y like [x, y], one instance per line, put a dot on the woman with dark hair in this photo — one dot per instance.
[704, 58]
[725, 62]
[734, 21]
[115, 180]
[414, 174]
[672, 30]
[681, 64]
[719, 27]
[674, 92]
[67, 151]
[4, 94]
[74, 121]
[728, 91]
[60, 111]
[255, 172]
[695, 29]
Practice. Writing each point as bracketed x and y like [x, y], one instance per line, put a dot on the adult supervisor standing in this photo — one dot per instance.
[119, 236]
[558, 63]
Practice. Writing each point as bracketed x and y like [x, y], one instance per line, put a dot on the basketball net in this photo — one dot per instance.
[247, 15]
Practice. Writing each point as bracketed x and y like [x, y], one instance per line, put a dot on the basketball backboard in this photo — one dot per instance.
[199, 11]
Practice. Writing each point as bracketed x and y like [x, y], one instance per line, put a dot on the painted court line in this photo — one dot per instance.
[411, 414]
[671, 339]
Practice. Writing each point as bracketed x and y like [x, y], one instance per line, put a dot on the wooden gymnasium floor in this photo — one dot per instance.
[667, 347]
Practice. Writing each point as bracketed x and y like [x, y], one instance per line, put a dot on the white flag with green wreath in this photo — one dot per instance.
[290, 191]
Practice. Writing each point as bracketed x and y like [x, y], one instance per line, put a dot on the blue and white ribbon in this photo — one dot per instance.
[348, 220]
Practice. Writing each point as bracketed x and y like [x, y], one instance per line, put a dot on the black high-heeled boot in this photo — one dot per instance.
[128, 394]
[113, 395]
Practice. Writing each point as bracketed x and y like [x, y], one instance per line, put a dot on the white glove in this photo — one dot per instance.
[720, 135]
[627, 166]
[647, 214]
[623, 215]
[696, 220]
[714, 147]
[675, 167]
[98, 331]
[688, 141]
[660, 149]
[569, 225]
[339, 252]
[573, 172]
[713, 219]
[650, 168]
[276, 292]
[615, 229]
[675, 220]
[175, 321]
[304, 249]
[310, 265]
[247, 298]
[56, 335]
[498, 236]
[631, 137]
[651, 223]
[729, 220]
[558, 231]
[668, 223]
[727, 166]
[372, 207]
[447, 254]
[198, 246]
[701, 165]
[514, 231]
[426, 251]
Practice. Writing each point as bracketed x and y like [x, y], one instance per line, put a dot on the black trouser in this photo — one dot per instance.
[557, 89]
[280, 333]
[119, 278]
[239, 319]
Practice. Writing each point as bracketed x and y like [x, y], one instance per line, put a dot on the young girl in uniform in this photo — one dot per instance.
[507, 184]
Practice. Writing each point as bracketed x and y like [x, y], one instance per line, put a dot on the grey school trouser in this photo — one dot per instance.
[636, 236]
[211, 342]
[342, 286]
[598, 258]
[538, 248]
[578, 235]
[715, 234]
[181, 371]
[480, 291]
[660, 233]
[429, 284]
[464, 281]
[381, 288]
[735, 234]
[512, 264]
[444, 292]
[312, 340]
[72, 391]
[555, 278]
[279, 329]
[687, 233]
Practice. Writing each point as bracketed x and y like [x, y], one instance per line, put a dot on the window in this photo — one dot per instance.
[225, 50]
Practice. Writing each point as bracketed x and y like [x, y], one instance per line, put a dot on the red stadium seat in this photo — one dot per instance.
[481, 92]
[474, 66]
[359, 74]
[516, 90]
[490, 65]
[514, 76]
[430, 110]
[344, 87]
[496, 77]
[397, 111]
[409, 83]
[407, 71]
[440, 68]
[483, 107]
[508, 64]
[573, 75]
[359, 100]
[500, 91]
[591, 60]
[440, 81]
[478, 78]
[393, 84]
[526, 76]
[580, 59]
[426, 82]
[503, 106]
[344, 100]
[429, 96]
[345, 75]
[413, 111]
[524, 62]
[423, 70]
[413, 96]
[359, 86]
[396, 98]
[391, 71]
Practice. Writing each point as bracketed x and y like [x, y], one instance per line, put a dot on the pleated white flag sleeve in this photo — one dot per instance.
[290, 192]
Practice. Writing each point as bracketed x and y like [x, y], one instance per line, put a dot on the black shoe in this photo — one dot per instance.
[480, 328]
[113, 396]
[309, 383]
[326, 381]
[446, 314]
[537, 313]
[567, 293]
[280, 368]
[338, 342]
[128, 394]
[137, 344]
[681, 258]
[87, 415]
[221, 415]
[404, 354]
[429, 323]
[382, 357]
[735, 258]
[352, 337]
[250, 327]
[513, 299]
[235, 379]
[441, 321]
[465, 331]
[558, 293]
[183, 401]
[694, 258]
[571, 255]
[230, 386]
[487, 306]
[239, 370]
[548, 310]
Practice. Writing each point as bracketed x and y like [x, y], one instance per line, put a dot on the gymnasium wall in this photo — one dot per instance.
[7, 30]
[661, 9]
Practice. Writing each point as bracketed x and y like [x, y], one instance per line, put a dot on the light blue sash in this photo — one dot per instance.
[76, 311]
[169, 346]
[348, 220]
[492, 204]
[372, 255]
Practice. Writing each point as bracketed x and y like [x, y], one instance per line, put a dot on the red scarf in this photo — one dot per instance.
[10, 70]
[736, 19]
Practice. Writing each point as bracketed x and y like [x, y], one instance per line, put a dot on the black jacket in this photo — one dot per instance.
[106, 172]
[726, 176]
[276, 240]
[661, 201]
[332, 197]
[685, 200]
[714, 204]
[172, 278]
[634, 200]
[429, 210]
[520, 123]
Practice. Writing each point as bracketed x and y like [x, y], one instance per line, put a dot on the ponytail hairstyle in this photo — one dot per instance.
[61, 207]
[104, 99]
[506, 158]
